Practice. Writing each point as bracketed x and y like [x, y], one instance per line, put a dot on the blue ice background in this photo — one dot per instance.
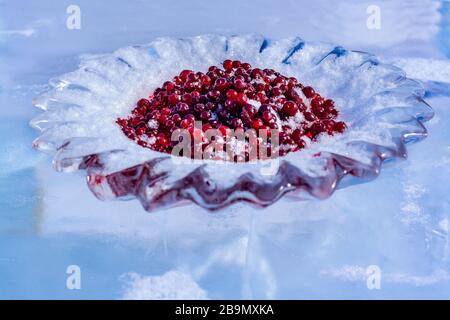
[34, 254]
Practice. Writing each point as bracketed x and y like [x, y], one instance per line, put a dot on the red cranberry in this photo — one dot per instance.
[221, 83]
[169, 86]
[176, 118]
[246, 66]
[140, 131]
[174, 99]
[308, 92]
[237, 123]
[229, 105]
[289, 108]
[185, 123]
[205, 115]
[309, 116]
[317, 101]
[236, 64]
[225, 131]
[214, 95]
[268, 116]
[219, 99]
[257, 124]
[276, 92]
[228, 65]
[199, 107]
[162, 140]
[184, 74]
[144, 103]
[205, 80]
[255, 73]
[210, 106]
[251, 110]
[340, 126]
[206, 127]
[241, 98]
[183, 107]
[212, 68]
[328, 104]
[239, 84]
[232, 94]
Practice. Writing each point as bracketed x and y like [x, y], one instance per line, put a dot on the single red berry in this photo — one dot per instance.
[275, 92]
[317, 101]
[176, 118]
[165, 111]
[205, 115]
[239, 84]
[174, 99]
[232, 94]
[206, 81]
[161, 140]
[297, 135]
[308, 92]
[143, 103]
[141, 131]
[248, 108]
[199, 107]
[185, 123]
[169, 86]
[246, 66]
[340, 126]
[309, 116]
[268, 116]
[228, 65]
[183, 107]
[257, 124]
[236, 64]
[185, 74]
[229, 105]
[236, 123]
[225, 131]
[221, 83]
[241, 98]
[328, 104]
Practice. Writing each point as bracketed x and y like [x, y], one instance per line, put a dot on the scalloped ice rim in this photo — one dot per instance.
[382, 107]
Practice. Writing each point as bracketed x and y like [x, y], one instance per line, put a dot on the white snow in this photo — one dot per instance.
[173, 285]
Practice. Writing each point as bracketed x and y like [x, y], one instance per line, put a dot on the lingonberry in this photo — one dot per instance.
[257, 124]
[308, 92]
[232, 94]
[241, 98]
[184, 74]
[173, 99]
[289, 108]
[143, 103]
[340, 126]
[228, 65]
[237, 96]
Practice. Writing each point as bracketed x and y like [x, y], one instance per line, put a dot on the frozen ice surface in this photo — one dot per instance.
[316, 249]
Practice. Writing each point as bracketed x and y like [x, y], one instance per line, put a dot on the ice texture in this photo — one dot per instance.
[382, 108]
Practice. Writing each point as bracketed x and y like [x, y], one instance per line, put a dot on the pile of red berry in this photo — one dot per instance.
[233, 98]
